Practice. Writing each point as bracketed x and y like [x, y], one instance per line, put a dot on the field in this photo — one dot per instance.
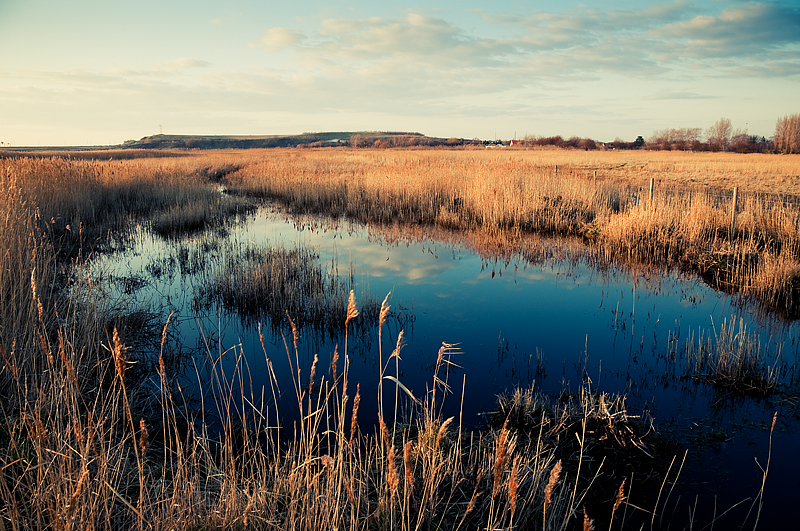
[97, 434]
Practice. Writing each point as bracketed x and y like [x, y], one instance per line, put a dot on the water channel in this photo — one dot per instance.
[550, 315]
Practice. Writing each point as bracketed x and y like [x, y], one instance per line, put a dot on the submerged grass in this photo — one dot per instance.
[733, 361]
[269, 283]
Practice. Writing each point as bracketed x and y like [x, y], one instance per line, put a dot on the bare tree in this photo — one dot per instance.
[356, 141]
[787, 134]
[719, 134]
[681, 138]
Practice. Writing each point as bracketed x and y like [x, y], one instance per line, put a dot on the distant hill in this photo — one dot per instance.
[361, 138]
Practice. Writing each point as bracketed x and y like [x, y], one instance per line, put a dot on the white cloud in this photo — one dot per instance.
[421, 40]
[276, 39]
[676, 95]
[427, 66]
[181, 64]
[748, 33]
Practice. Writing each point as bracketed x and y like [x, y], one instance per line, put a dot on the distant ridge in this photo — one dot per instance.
[327, 139]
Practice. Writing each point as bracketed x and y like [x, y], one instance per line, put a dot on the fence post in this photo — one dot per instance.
[734, 206]
[652, 182]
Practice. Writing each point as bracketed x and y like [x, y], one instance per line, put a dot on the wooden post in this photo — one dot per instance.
[734, 207]
[652, 182]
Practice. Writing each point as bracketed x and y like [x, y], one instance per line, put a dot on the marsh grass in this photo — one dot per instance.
[79, 201]
[216, 211]
[267, 283]
[612, 442]
[733, 361]
[97, 432]
[113, 461]
[601, 198]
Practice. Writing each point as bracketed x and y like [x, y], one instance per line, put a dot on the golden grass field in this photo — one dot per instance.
[91, 440]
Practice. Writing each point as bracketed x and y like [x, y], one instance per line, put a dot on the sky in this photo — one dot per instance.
[99, 72]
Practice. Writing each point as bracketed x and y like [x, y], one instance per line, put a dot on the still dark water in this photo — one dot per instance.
[556, 321]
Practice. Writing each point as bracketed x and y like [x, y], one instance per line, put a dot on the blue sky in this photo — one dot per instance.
[104, 71]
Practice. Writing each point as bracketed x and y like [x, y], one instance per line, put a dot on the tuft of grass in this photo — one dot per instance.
[733, 361]
[269, 283]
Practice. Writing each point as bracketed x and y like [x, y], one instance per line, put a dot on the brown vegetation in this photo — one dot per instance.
[733, 361]
[266, 284]
[96, 433]
[600, 196]
[787, 134]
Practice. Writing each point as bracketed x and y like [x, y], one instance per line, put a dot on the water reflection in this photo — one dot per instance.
[529, 311]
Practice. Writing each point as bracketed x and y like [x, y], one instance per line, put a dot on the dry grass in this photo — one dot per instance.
[602, 197]
[269, 283]
[78, 201]
[97, 435]
[733, 361]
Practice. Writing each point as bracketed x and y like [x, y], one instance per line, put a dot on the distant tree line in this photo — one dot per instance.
[721, 136]
[558, 141]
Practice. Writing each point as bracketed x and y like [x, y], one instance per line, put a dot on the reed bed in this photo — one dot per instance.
[266, 284]
[601, 197]
[733, 361]
[98, 434]
[79, 201]
[109, 459]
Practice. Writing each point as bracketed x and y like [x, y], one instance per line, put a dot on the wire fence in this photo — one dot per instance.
[772, 209]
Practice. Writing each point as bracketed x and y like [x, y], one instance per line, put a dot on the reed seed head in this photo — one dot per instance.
[334, 362]
[311, 376]
[120, 358]
[352, 310]
[161, 366]
[551, 483]
[620, 497]
[442, 431]
[295, 333]
[354, 418]
[588, 523]
[384, 311]
[36, 296]
[408, 465]
[399, 346]
[144, 436]
[501, 456]
[513, 485]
